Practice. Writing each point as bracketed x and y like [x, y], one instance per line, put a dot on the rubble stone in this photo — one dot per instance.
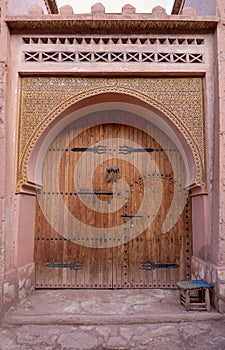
[78, 340]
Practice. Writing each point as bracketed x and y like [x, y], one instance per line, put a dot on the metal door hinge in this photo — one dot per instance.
[76, 265]
[149, 265]
[96, 149]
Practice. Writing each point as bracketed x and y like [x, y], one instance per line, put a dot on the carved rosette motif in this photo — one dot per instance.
[44, 98]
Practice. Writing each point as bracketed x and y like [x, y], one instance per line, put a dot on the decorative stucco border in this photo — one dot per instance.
[43, 99]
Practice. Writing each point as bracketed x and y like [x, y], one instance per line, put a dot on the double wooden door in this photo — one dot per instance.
[112, 212]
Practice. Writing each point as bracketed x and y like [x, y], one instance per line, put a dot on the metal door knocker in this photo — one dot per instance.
[112, 174]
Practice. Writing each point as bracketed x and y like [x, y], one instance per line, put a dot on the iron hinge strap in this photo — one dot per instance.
[149, 265]
[77, 265]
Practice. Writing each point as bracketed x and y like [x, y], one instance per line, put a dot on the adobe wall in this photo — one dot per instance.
[16, 280]
[203, 7]
[212, 265]
[187, 54]
[220, 131]
[22, 8]
[3, 89]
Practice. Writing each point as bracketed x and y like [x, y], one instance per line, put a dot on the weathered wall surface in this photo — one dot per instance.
[17, 282]
[219, 240]
[16, 7]
[162, 54]
[203, 7]
[3, 87]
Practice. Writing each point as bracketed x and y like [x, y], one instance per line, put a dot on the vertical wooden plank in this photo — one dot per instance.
[152, 245]
[49, 278]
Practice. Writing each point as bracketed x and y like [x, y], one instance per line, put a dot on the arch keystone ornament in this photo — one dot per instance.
[44, 99]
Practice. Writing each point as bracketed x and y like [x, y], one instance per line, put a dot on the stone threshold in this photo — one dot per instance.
[71, 319]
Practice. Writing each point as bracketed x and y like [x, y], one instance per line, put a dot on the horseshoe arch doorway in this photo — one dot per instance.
[113, 211]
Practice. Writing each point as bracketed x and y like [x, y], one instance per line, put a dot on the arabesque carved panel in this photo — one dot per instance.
[44, 98]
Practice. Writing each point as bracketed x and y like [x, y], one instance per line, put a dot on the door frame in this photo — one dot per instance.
[200, 199]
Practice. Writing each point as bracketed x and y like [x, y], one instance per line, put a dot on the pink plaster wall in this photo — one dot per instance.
[201, 223]
[18, 210]
[3, 87]
[4, 45]
[203, 7]
[25, 235]
[221, 129]
[21, 7]
[218, 208]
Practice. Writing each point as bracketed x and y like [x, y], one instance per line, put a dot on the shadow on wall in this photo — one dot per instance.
[203, 7]
[205, 253]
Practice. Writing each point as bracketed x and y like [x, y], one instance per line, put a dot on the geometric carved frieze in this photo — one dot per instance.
[42, 99]
[112, 57]
[118, 41]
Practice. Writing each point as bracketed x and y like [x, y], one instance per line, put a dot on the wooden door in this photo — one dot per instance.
[113, 212]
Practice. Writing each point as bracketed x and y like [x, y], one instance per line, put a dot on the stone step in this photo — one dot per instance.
[73, 319]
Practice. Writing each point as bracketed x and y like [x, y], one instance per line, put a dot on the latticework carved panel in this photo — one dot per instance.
[112, 57]
[44, 98]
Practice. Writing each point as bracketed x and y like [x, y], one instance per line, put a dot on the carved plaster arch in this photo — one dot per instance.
[63, 93]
